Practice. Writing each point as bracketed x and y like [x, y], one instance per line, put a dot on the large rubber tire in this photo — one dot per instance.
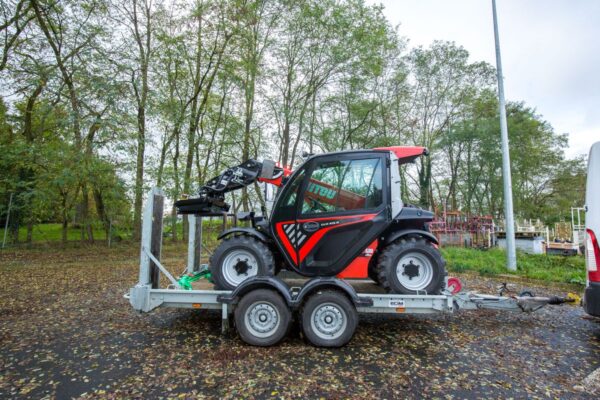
[372, 269]
[262, 318]
[238, 258]
[426, 267]
[329, 319]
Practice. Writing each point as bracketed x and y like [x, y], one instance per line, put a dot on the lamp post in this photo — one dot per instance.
[511, 259]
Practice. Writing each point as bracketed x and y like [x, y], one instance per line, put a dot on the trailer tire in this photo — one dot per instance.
[238, 258]
[262, 318]
[425, 264]
[329, 319]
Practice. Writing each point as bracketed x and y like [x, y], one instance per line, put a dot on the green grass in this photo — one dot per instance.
[493, 262]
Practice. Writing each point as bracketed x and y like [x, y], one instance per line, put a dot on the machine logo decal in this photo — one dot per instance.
[311, 226]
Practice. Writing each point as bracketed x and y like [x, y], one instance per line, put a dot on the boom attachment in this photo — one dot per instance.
[211, 196]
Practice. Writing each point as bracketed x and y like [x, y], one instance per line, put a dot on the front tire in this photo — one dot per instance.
[238, 258]
[411, 266]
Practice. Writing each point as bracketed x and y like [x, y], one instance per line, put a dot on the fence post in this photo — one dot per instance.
[151, 238]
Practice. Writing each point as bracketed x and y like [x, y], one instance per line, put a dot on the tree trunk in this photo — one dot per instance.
[65, 220]
[143, 42]
[29, 239]
[177, 183]
[85, 213]
[425, 182]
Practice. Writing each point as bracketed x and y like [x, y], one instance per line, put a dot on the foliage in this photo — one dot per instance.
[493, 262]
[106, 99]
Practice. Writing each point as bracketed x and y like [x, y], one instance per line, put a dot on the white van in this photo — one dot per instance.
[591, 298]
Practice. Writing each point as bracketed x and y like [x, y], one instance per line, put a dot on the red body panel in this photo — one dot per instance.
[286, 243]
[359, 267]
[405, 153]
[279, 180]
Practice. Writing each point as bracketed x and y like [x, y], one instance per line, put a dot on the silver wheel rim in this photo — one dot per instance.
[414, 271]
[328, 321]
[238, 266]
[262, 319]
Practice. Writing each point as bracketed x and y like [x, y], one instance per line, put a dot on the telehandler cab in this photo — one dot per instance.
[339, 214]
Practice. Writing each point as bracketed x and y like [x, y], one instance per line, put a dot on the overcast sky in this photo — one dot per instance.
[550, 52]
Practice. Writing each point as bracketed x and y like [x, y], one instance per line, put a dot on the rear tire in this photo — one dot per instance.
[238, 258]
[411, 266]
[329, 319]
[262, 318]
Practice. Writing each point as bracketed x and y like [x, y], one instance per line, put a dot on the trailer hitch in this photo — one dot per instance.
[533, 303]
[526, 303]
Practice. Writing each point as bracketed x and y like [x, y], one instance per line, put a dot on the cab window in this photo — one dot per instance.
[337, 186]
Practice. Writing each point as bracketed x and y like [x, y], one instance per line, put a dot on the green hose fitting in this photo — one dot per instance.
[185, 281]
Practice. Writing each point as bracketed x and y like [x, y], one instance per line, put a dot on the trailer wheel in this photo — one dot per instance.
[262, 318]
[329, 319]
[411, 266]
[238, 258]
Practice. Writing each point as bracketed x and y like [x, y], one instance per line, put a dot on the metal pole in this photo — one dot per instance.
[194, 243]
[7, 218]
[511, 259]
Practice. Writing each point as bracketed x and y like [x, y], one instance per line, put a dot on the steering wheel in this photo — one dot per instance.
[316, 205]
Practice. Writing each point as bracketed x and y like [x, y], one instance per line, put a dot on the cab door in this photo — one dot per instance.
[283, 215]
[341, 207]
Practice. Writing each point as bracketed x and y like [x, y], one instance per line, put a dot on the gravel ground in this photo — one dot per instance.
[66, 331]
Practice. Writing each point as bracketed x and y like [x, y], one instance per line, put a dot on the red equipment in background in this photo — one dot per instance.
[454, 228]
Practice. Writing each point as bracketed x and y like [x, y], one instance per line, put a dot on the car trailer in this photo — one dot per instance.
[263, 307]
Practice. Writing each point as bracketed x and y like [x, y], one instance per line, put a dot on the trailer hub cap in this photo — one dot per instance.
[238, 266]
[262, 319]
[328, 321]
[414, 271]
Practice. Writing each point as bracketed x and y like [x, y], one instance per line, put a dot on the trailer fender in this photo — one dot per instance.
[257, 282]
[244, 231]
[410, 232]
[322, 283]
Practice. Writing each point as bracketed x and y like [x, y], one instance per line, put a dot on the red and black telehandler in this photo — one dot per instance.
[338, 215]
